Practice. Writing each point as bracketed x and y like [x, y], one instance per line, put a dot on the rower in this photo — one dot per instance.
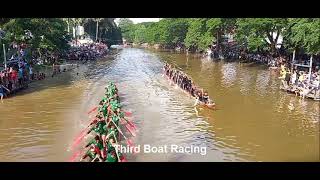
[2, 92]
[96, 143]
[98, 127]
[92, 153]
[206, 97]
[199, 98]
[111, 152]
[95, 120]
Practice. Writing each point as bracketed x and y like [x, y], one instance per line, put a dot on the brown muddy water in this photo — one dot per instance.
[254, 120]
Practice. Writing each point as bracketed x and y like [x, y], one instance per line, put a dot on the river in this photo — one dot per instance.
[254, 120]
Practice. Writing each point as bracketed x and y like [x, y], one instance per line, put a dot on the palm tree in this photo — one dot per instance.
[98, 20]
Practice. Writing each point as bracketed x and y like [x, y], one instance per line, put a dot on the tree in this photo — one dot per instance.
[260, 33]
[109, 32]
[169, 32]
[4, 21]
[139, 33]
[68, 21]
[198, 36]
[172, 31]
[304, 33]
[152, 33]
[203, 32]
[214, 27]
[127, 29]
[220, 26]
[38, 33]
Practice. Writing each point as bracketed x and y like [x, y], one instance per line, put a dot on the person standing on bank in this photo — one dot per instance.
[2, 92]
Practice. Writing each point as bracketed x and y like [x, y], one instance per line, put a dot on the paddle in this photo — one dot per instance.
[94, 159]
[116, 148]
[120, 85]
[130, 123]
[77, 141]
[123, 159]
[81, 134]
[130, 130]
[79, 138]
[133, 127]
[83, 131]
[93, 109]
[129, 142]
[127, 113]
[74, 156]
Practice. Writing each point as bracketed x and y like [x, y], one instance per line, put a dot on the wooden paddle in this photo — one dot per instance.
[129, 142]
[130, 123]
[93, 109]
[83, 131]
[132, 132]
[74, 156]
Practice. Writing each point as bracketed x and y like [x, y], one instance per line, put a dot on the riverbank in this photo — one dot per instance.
[230, 53]
[40, 73]
[37, 123]
[310, 89]
[21, 71]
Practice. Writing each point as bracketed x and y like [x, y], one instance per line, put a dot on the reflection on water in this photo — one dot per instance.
[229, 73]
[254, 121]
[263, 78]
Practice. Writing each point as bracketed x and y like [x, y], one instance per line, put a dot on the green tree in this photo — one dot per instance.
[260, 33]
[173, 31]
[152, 33]
[127, 29]
[38, 33]
[214, 27]
[139, 33]
[220, 26]
[4, 21]
[304, 33]
[68, 21]
[109, 32]
[106, 30]
[198, 36]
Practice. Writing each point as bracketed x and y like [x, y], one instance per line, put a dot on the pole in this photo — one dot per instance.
[97, 30]
[4, 56]
[310, 68]
[293, 57]
[75, 34]
[68, 26]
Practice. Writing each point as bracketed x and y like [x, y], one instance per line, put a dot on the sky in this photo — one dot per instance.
[139, 20]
